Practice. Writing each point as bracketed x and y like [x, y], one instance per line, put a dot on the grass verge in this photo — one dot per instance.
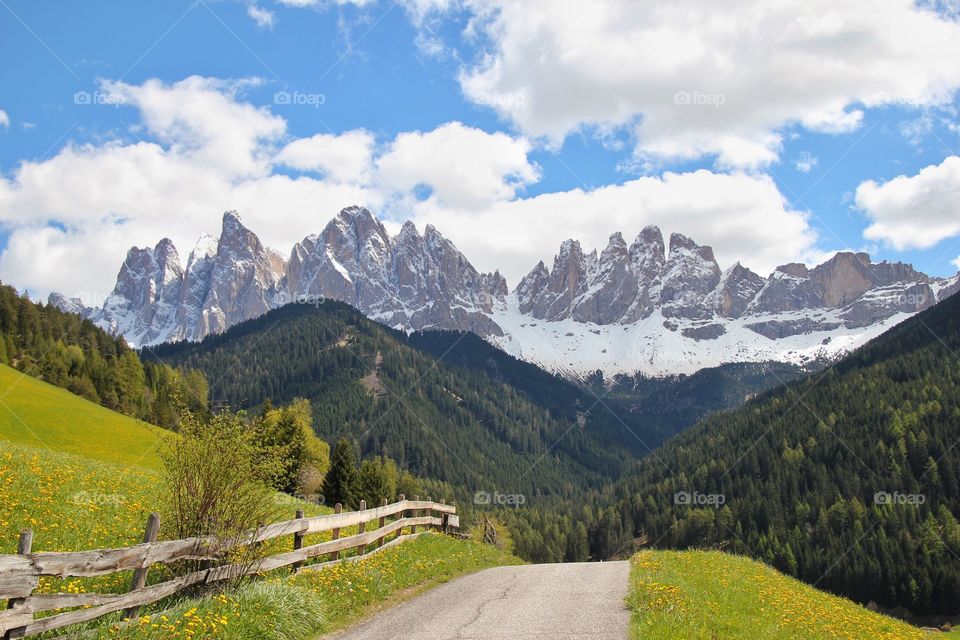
[711, 595]
[312, 602]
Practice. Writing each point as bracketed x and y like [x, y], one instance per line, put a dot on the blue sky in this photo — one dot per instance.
[543, 130]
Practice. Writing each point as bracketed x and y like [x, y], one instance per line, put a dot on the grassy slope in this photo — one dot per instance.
[713, 595]
[81, 488]
[35, 413]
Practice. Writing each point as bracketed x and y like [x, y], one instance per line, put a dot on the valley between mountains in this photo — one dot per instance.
[616, 406]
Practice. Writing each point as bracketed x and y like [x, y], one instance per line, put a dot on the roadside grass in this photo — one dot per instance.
[710, 595]
[311, 602]
[35, 413]
[352, 589]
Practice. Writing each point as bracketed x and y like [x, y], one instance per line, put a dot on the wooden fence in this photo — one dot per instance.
[20, 573]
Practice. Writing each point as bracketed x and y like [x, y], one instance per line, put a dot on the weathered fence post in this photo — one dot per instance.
[337, 508]
[444, 518]
[150, 533]
[413, 514]
[297, 543]
[382, 522]
[403, 514]
[427, 512]
[362, 527]
[23, 548]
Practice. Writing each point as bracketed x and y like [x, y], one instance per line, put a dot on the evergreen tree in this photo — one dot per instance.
[340, 483]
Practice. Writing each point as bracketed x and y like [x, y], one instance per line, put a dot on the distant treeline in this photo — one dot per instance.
[65, 350]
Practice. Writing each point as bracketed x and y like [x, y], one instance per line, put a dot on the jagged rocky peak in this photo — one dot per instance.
[844, 278]
[243, 284]
[411, 280]
[68, 305]
[354, 244]
[568, 279]
[531, 286]
[690, 274]
[647, 250]
[611, 286]
[794, 270]
[738, 286]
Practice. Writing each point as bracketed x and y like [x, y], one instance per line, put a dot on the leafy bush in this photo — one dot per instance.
[216, 481]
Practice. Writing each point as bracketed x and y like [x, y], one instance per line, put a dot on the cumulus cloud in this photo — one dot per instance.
[744, 217]
[263, 17]
[4, 119]
[204, 149]
[464, 167]
[914, 212]
[956, 262]
[347, 157]
[703, 78]
[202, 119]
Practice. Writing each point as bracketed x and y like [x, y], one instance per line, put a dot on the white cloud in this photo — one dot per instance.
[202, 119]
[806, 161]
[263, 17]
[347, 157]
[205, 150]
[956, 262]
[914, 212]
[705, 77]
[4, 119]
[744, 217]
[465, 167]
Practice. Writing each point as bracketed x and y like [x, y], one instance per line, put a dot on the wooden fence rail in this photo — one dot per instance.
[20, 573]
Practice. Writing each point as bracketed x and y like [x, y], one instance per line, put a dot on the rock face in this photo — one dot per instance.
[738, 286]
[627, 308]
[243, 282]
[689, 276]
[622, 284]
[410, 281]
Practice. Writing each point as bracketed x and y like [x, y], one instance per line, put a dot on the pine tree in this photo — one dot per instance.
[340, 484]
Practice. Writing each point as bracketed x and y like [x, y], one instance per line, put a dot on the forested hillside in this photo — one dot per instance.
[441, 421]
[67, 351]
[848, 479]
[662, 406]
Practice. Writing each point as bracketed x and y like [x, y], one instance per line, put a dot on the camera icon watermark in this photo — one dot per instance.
[98, 98]
[913, 499]
[495, 499]
[699, 99]
[284, 298]
[696, 499]
[299, 99]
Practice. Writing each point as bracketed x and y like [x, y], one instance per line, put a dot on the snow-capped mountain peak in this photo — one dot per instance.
[620, 309]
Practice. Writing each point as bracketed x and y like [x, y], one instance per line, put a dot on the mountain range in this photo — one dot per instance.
[650, 307]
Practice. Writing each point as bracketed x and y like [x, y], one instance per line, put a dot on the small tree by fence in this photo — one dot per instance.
[20, 573]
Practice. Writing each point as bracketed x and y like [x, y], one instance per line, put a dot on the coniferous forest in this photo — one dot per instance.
[70, 352]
